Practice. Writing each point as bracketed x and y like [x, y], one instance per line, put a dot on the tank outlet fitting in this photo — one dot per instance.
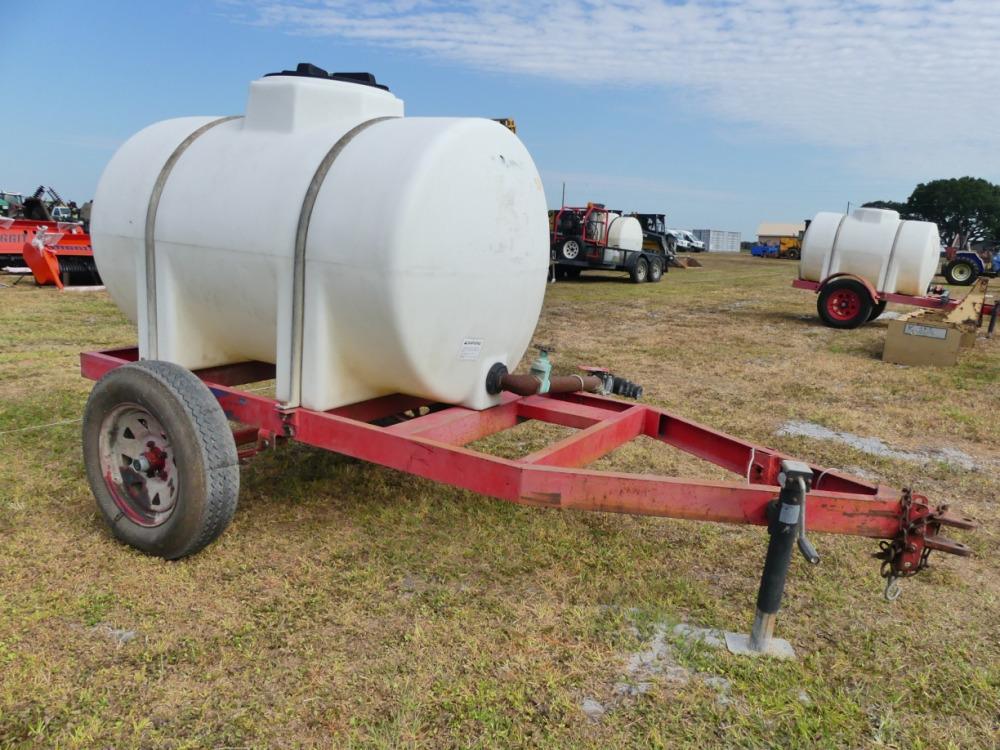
[494, 378]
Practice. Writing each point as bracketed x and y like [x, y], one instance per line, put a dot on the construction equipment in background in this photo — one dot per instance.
[507, 122]
[786, 247]
[62, 257]
[779, 240]
[656, 237]
[45, 204]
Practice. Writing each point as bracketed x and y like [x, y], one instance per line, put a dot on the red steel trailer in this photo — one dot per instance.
[140, 414]
[849, 301]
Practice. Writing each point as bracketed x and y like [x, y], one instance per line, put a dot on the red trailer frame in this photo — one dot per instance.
[931, 301]
[432, 445]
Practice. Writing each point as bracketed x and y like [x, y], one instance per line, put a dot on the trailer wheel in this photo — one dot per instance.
[655, 270]
[793, 254]
[877, 309]
[844, 303]
[570, 249]
[640, 271]
[160, 458]
[960, 272]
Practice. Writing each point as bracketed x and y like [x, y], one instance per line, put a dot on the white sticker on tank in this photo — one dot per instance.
[470, 350]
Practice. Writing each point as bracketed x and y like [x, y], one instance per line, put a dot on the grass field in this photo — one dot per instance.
[353, 606]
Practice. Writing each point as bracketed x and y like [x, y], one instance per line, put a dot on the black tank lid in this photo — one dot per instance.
[308, 70]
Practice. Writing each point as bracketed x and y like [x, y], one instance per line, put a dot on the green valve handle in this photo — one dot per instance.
[541, 368]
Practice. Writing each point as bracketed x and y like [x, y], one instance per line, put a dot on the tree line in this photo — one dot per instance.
[966, 209]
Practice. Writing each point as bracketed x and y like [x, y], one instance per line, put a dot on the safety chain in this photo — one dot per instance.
[906, 555]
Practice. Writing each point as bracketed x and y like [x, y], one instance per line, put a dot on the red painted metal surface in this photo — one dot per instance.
[427, 440]
[933, 302]
[17, 241]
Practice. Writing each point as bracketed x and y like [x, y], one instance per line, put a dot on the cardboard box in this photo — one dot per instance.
[925, 339]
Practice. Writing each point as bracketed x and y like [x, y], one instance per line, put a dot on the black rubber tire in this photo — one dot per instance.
[967, 272]
[202, 441]
[571, 242]
[655, 271]
[793, 254]
[877, 309]
[861, 308]
[640, 271]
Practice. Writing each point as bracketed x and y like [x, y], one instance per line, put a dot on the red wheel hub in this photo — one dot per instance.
[844, 304]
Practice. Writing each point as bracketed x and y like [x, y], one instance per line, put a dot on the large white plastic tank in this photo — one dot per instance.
[895, 256]
[624, 232]
[425, 255]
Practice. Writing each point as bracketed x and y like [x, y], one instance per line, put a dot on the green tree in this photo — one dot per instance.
[901, 208]
[964, 208]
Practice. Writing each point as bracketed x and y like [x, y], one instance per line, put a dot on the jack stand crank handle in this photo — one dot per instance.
[805, 546]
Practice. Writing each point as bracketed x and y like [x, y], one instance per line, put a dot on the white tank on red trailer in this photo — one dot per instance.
[895, 256]
[421, 263]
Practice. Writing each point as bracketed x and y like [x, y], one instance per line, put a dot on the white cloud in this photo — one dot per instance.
[904, 88]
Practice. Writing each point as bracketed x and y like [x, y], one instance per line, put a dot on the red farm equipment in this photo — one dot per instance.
[63, 257]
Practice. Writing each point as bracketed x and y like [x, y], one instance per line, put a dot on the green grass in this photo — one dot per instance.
[354, 606]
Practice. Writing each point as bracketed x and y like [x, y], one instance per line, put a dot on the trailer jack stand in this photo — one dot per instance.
[786, 528]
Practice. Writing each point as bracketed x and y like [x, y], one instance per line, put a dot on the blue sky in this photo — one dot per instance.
[720, 113]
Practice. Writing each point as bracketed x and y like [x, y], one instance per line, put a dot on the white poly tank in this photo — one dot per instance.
[624, 232]
[895, 256]
[422, 262]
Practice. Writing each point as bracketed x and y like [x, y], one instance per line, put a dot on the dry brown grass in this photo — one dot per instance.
[350, 605]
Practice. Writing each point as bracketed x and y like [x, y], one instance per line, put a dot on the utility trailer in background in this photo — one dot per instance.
[580, 241]
[849, 301]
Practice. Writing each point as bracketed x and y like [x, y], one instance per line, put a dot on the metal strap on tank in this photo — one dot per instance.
[833, 247]
[153, 351]
[892, 254]
[299, 261]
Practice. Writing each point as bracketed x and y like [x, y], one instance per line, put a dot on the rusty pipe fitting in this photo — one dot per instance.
[499, 380]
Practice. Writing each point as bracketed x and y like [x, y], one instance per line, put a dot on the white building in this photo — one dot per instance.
[718, 240]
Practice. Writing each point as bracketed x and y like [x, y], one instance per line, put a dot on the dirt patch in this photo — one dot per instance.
[657, 664]
[876, 447]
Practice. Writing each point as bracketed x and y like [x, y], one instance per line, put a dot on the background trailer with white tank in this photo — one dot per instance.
[391, 336]
[592, 237]
[861, 261]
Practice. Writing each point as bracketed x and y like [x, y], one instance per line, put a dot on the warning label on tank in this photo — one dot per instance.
[470, 349]
[913, 329]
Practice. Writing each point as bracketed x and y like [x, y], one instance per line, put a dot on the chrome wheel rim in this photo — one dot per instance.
[138, 465]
